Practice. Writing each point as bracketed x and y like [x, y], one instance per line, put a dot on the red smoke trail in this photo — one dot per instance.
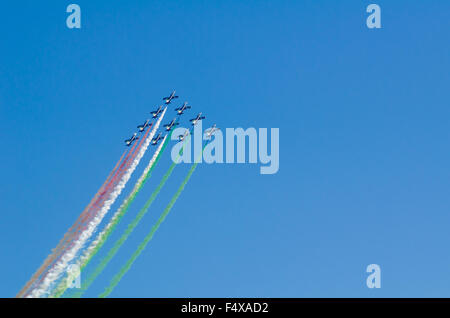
[112, 183]
[124, 167]
[102, 188]
[62, 242]
[88, 213]
[100, 195]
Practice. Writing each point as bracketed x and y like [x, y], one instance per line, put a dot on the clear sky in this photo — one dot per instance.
[364, 142]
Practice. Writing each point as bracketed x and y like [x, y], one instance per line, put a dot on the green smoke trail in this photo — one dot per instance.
[116, 279]
[118, 244]
[63, 285]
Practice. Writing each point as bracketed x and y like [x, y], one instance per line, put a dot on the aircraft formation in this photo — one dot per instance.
[174, 122]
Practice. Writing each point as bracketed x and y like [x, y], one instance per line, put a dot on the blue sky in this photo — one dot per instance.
[364, 142]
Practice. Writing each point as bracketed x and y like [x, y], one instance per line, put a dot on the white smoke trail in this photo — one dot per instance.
[100, 236]
[58, 269]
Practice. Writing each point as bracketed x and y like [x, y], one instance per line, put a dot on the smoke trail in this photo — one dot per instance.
[118, 244]
[71, 234]
[100, 201]
[116, 279]
[126, 167]
[62, 242]
[123, 168]
[97, 244]
[99, 196]
[69, 255]
[83, 235]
